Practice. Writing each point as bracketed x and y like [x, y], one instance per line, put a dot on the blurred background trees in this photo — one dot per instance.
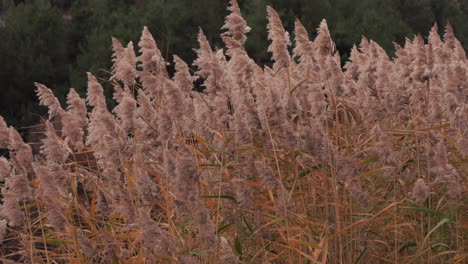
[56, 42]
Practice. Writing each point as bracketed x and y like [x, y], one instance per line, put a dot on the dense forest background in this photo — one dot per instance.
[56, 42]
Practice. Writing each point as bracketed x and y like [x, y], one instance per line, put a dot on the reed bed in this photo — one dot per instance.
[300, 162]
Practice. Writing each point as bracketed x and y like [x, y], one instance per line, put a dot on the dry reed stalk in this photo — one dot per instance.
[304, 162]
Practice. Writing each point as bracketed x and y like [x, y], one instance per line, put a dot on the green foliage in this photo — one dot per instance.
[175, 24]
[33, 48]
[57, 41]
[255, 15]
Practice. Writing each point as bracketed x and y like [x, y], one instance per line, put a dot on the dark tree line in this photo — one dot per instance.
[56, 42]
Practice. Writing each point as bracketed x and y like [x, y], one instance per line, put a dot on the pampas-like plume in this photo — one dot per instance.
[124, 60]
[239, 69]
[383, 143]
[242, 135]
[15, 190]
[3, 230]
[74, 120]
[151, 59]
[47, 98]
[182, 77]
[323, 41]
[279, 40]
[452, 45]
[419, 63]
[304, 47]
[184, 80]
[333, 75]
[208, 65]
[104, 132]
[240, 77]
[20, 152]
[77, 107]
[49, 187]
[119, 92]
[435, 47]
[269, 104]
[330, 68]
[126, 111]
[449, 36]
[53, 148]
[95, 95]
[220, 117]
[313, 137]
[146, 109]
[52, 192]
[352, 67]
[150, 84]
[202, 114]
[127, 71]
[169, 166]
[153, 236]
[164, 126]
[11, 209]
[148, 190]
[17, 185]
[235, 37]
[117, 52]
[4, 133]
[5, 169]
[420, 191]
[186, 178]
[175, 99]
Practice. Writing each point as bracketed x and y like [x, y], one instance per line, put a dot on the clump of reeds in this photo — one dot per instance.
[303, 162]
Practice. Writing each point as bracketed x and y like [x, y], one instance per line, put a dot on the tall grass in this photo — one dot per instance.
[299, 163]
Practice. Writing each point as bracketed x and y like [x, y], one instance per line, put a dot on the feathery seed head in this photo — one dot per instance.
[279, 40]
[420, 191]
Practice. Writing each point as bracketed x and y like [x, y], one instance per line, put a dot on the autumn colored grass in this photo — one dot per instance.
[303, 162]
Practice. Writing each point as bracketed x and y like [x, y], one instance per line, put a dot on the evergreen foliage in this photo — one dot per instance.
[56, 41]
